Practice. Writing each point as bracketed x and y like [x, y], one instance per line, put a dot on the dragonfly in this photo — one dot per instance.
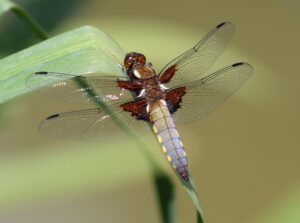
[180, 93]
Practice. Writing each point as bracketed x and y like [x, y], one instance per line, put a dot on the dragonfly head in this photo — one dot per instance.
[132, 59]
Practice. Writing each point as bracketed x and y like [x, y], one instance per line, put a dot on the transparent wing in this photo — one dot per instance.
[76, 88]
[92, 125]
[195, 62]
[206, 94]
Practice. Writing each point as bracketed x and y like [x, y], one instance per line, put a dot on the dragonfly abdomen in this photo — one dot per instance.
[168, 137]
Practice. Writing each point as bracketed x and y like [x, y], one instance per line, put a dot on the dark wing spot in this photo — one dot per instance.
[52, 116]
[237, 64]
[220, 25]
[41, 72]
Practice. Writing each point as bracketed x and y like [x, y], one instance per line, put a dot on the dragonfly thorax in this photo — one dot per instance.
[152, 89]
[143, 72]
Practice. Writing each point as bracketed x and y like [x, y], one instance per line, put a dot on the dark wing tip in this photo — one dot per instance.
[220, 25]
[52, 116]
[237, 64]
[244, 66]
[41, 72]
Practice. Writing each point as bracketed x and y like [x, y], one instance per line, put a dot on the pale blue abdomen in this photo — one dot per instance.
[168, 137]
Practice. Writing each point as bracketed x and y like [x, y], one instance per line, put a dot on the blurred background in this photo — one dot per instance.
[244, 157]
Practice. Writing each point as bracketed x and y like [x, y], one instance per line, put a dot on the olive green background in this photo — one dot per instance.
[244, 157]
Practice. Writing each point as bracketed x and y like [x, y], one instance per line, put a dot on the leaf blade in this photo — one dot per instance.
[78, 51]
[192, 192]
[6, 5]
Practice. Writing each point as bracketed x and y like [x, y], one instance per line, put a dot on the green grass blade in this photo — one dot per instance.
[166, 196]
[192, 192]
[79, 51]
[199, 218]
[6, 5]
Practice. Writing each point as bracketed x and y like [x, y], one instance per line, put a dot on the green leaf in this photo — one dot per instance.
[79, 51]
[166, 196]
[199, 218]
[6, 5]
[192, 192]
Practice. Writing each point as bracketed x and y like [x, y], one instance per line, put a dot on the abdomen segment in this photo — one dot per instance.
[168, 137]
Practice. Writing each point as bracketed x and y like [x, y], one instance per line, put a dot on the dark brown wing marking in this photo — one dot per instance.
[174, 98]
[137, 108]
[168, 74]
[129, 85]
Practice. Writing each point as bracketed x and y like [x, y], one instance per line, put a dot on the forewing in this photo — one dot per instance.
[195, 62]
[79, 89]
[92, 125]
[204, 95]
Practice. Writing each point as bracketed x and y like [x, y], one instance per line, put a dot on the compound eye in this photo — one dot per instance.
[128, 62]
[142, 59]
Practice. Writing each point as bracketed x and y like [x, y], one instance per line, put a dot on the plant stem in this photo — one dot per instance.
[199, 218]
[166, 196]
[38, 30]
